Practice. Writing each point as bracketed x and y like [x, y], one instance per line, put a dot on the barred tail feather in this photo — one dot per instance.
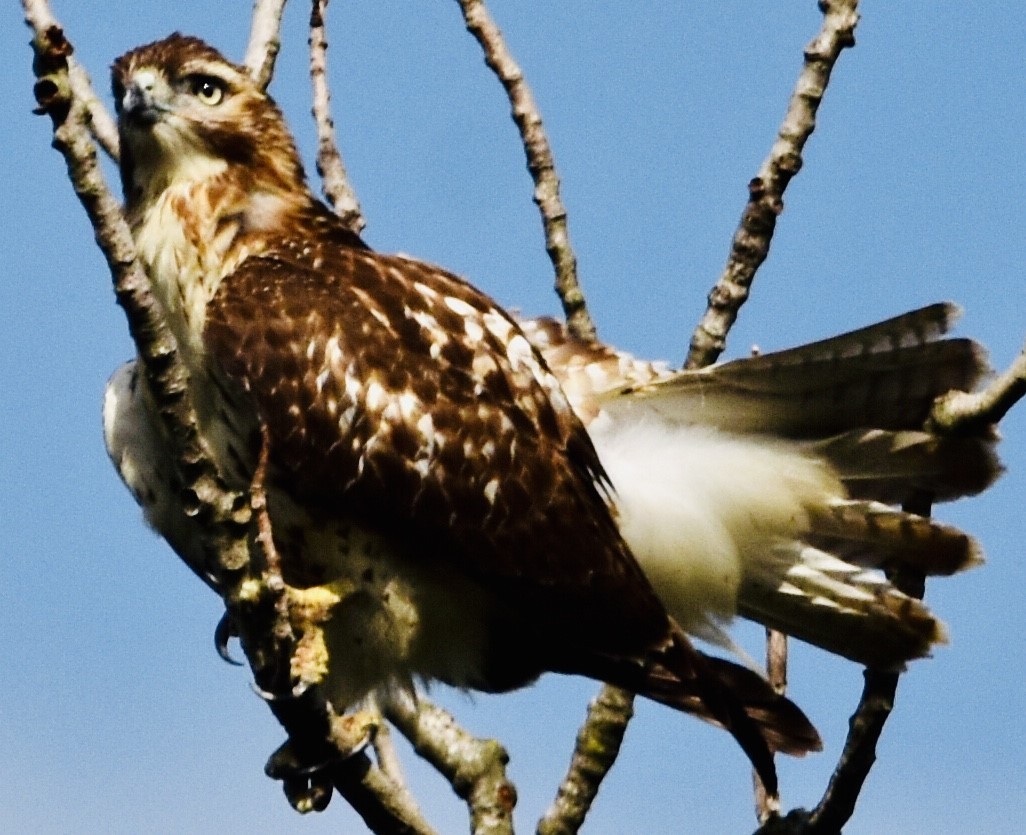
[839, 607]
[885, 376]
[876, 535]
[889, 466]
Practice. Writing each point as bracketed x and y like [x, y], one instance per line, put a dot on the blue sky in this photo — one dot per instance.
[115, 713]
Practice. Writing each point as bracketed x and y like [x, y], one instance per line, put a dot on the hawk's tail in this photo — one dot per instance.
[765, 486]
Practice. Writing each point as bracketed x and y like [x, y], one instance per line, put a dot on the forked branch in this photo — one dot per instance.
[476, 768]
[965, 412]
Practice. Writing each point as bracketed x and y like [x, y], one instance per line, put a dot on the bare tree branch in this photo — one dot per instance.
[95, 115]
[960, 411]
[765, 192]
[385, 754]
[612, 710]
[334, 180]
[101, 123]
[157, 350]
[264, 40]
[767, 805]
[377, 799]
[837, 806]
[859, 753]
[598, 744]
[540, 163]
[475, 768]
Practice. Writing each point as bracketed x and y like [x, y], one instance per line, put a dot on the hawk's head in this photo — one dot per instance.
[186, 114]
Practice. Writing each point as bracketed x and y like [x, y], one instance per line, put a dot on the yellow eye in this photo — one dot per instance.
[207, 89]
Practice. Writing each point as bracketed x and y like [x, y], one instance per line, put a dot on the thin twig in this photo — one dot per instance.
[859, 753]
[386, 755]
[837, 806]
[767, 805]
[264, 40]
[540, 163]
[476, 768]
[959, 411]
[598, 744]
[335, 181]
[101, 123]
[766, 191]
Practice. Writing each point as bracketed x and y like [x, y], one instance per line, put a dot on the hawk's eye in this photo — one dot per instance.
[207, 88]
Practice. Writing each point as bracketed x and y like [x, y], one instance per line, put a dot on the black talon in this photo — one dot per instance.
[223, 633]
[296, 692]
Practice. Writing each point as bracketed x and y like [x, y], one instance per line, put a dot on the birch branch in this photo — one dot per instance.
[766, 190]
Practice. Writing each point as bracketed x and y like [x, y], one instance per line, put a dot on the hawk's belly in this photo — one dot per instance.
[379, 617]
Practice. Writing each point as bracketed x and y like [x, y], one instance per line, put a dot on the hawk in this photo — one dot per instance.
[486, 499]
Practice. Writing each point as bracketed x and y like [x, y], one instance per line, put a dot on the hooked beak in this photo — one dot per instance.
[141, 102]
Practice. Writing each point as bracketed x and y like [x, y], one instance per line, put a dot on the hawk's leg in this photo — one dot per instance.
[306, 779]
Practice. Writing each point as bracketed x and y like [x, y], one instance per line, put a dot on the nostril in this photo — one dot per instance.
[145, 80]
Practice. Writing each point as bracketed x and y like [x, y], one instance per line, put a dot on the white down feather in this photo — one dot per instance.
[699, 508]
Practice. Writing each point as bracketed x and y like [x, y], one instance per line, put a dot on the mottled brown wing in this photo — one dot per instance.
[395, 391]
